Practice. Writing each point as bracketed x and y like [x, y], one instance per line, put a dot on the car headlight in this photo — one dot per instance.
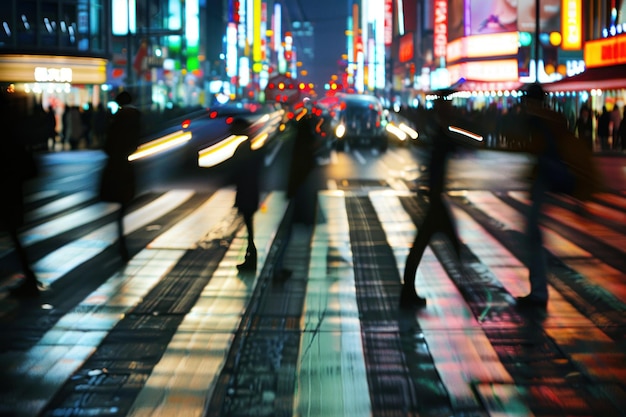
[340, 131]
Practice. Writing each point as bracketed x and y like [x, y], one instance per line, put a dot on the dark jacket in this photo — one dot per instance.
[247, 178]
[17, 164]
[118, 177]
[303, 156]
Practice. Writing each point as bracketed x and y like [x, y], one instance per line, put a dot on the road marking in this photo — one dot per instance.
[190, 366]
[359, 157]
[332, 378]
[64, 259]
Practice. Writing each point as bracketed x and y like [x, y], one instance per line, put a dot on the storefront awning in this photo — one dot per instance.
[604, 78]
[485, 86]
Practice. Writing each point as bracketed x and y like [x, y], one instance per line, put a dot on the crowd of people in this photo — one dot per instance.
[601, 131]
[528, 126]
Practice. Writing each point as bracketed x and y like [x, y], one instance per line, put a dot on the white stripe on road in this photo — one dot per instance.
[570, 330]
[186, 375]
[185, 234]
[65, 347]
[66, 258]
[359, 157]
[67, 222]
[456, 341]
[332, 379]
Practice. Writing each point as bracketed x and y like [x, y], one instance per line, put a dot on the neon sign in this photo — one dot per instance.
[571, 24]
[441, 28]
[53, 75]
[603, 52]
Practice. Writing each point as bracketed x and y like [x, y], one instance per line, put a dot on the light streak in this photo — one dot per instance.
[159, 145]
[220, 152]
[464, 132]
[396, 131]
[408, 130]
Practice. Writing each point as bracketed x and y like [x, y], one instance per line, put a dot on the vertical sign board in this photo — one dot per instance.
[571, 24]
[388, 22]
[440, 30]
[256, 36]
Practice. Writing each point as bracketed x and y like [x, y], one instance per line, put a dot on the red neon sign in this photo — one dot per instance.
[441, 28]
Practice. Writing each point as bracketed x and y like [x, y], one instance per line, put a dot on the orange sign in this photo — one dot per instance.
[407, 48]
[604, 52]
[571, 24]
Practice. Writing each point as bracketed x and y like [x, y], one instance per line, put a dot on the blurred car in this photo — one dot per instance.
[359, 122]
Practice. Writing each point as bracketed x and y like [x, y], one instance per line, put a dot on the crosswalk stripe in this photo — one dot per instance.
[604, 234]
[196, 354]
[59, 205]
[187, 233]
[331, 369]
[460, 349]
[332, 375]
[80, 332]
[66, 258]
[558, 318]
[72, 220]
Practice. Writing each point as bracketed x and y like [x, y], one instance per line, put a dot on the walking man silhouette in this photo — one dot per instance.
[118, 177]
[17, 165]
[248, 188]
[438, 218]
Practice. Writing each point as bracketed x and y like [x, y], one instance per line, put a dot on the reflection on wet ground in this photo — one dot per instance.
[178, 331]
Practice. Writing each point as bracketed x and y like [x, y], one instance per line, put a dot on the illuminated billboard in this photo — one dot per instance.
[603, 52]
[482, 46]
[549, 16]
[571, 23]
[440, 30]
[496, 16]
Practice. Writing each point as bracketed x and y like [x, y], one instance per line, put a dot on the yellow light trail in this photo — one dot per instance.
[159, 145]
[220, 152]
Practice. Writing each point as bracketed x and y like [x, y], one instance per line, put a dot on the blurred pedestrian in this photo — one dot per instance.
[616, 121]
[301, 190]
[550, 174]
[75, 128]
[118, 176]
[17, 165]
[248, 185]
[621, 130]
[100, 125]
[87, 122]
[584, 126]
[438, 218]
[604, 129]
[51, 127]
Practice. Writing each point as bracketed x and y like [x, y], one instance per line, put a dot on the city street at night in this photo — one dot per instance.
[326, 208]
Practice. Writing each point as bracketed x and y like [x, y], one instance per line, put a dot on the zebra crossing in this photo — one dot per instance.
[165, 334]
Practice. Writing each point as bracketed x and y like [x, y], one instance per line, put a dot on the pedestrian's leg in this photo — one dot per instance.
[29, 287]
[537, 264]
[120, 233]
[408, 296]
[250, 261]
[448, 227]
[280, 273]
